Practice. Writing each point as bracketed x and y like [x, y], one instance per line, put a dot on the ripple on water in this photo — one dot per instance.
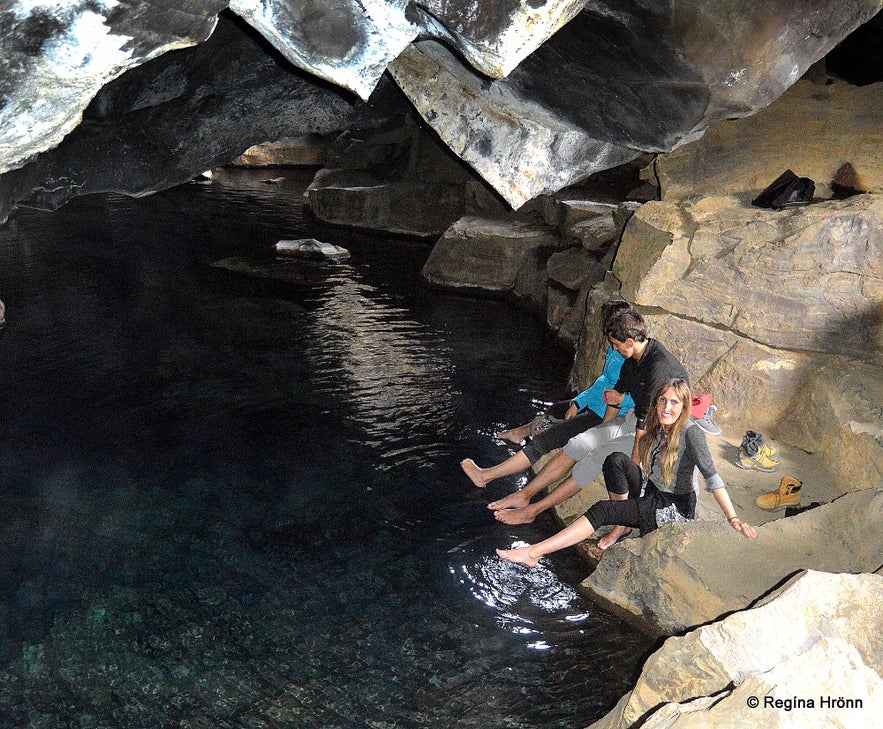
[231, 494]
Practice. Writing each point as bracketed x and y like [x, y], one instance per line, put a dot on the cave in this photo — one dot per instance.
[272, 272]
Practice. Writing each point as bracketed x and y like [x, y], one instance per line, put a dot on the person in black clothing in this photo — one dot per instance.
[648, 364]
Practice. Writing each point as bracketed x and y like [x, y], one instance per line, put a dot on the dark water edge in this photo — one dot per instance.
[231, 494]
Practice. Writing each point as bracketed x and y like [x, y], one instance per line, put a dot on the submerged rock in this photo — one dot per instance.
[311, 248]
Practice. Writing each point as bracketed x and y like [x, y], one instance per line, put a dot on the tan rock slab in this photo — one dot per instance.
[817, 638]
[684, 575]
[485, 253]
[812, 130]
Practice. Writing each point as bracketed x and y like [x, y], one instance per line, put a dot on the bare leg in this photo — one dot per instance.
[615, 534]
[553, 471]
[527, 513]
[516, 435]
[572, 534]
[481, 477]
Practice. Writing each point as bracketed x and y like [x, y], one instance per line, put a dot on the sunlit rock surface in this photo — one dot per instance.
[806, 278]
[684, 575]
[831, 133]
[816, 637]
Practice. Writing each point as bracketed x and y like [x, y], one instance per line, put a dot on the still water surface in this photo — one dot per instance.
[230, 489]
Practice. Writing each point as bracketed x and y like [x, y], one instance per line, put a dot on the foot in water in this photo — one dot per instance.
[514, 516]
[613, 536]
[516, 435]
[475, 473]
[519, 556]
[512, 501]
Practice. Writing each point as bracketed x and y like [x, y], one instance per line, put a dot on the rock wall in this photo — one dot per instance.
[532, 95]
[779, 314]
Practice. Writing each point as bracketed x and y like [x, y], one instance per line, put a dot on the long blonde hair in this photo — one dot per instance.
[668, 452]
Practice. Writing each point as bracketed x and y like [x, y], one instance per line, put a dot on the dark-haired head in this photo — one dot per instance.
[625, 323]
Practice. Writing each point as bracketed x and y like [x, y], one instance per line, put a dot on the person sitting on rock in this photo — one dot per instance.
[671, 448]
[570, 417]
[593, 400]
[648, 364]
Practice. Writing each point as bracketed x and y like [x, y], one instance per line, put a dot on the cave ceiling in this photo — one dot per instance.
[135, 96]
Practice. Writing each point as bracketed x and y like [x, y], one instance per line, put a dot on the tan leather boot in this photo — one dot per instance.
[788, 494]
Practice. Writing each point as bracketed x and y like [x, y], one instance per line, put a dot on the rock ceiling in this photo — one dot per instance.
[137, 95]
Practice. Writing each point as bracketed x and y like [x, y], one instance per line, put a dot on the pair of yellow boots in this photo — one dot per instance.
[788, 494]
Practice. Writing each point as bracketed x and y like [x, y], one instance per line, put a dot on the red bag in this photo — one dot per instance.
[700, 405]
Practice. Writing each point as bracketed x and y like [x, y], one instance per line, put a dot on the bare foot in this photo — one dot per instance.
[613, 536]
[512, 501]
[516, 435]
[519, 556]
[514, 516]
[474, 472]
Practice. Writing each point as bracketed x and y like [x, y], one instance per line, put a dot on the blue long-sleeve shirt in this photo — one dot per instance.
[593, 397]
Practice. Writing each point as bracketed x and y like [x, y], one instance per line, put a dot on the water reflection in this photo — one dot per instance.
[532, 603]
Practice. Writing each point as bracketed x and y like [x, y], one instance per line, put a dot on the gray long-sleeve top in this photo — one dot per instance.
[692, 453]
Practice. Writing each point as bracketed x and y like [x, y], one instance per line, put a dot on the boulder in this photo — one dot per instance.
[404, 208]
[594, 234]
[511, 140]
[573, 268]
[686, 574]
[486, 253]
[815, 639]
[565, 312]
[819, 132]
[531, 290]
[396, 178]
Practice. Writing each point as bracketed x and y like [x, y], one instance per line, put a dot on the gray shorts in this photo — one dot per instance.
[589, 449]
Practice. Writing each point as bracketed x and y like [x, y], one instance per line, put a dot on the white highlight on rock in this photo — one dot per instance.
[381, 28]
[71, 69]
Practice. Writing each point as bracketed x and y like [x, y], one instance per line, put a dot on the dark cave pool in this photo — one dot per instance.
[230, 483]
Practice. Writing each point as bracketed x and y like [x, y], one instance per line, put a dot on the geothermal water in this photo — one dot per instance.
[230, 484]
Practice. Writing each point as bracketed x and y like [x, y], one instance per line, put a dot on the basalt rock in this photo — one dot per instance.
[397, 178]
[533, 95]
[185, 112]
[487, 254]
